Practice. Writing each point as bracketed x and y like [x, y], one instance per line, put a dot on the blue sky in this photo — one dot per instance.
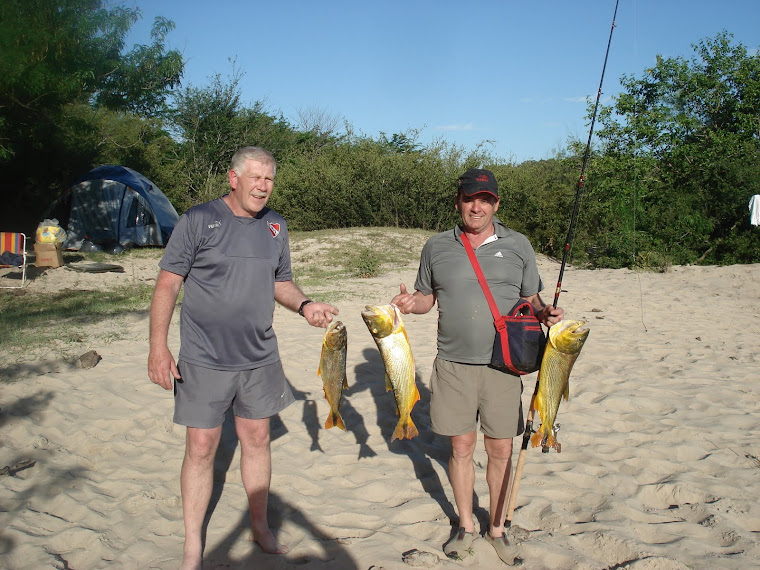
[511, 74]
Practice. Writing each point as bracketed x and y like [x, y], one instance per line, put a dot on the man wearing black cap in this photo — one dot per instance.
[464, 390]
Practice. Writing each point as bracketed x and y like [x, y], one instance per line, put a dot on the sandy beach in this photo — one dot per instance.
[660, 462]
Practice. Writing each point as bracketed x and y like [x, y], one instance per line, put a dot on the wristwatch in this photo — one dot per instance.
[300, 309]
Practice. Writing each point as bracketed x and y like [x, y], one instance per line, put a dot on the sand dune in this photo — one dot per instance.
[660, 462]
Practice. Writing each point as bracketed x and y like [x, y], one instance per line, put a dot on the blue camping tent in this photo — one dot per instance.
[114, 205]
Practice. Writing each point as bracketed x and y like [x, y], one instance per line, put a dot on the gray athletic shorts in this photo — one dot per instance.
[462, 394]
[202, 396]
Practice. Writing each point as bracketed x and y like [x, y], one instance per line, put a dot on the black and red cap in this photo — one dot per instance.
[477, 180]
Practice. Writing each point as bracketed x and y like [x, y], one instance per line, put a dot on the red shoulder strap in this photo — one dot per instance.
[498, 321]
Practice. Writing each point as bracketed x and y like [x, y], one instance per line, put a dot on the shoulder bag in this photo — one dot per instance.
[519, 342]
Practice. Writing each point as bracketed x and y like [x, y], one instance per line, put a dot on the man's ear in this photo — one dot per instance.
[233, 178]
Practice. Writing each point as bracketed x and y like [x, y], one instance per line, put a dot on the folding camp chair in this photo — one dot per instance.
[14, 242]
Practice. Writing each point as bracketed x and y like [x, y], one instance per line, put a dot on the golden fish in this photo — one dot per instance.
[332, 368]
[385, 324]
[563, 347]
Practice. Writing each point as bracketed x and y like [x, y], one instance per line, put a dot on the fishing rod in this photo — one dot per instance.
[515, 483]
[586, 153]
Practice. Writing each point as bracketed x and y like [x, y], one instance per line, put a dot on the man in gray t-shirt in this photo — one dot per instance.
[464, 390]
[233, 257]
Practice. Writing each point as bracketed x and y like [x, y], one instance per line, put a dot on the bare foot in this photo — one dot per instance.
[268, 543]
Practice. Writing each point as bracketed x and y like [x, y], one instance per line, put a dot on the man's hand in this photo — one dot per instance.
[319, 314]
[161, 367]
[416, 302]
[404, 301]
[550, 316]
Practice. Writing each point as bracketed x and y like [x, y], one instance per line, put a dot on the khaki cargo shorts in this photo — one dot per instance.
[463, 394]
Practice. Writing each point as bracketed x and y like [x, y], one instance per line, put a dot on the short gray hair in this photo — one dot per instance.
[255, 153]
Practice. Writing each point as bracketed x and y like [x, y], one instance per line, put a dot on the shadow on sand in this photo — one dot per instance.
[422, 450]
[334, 555]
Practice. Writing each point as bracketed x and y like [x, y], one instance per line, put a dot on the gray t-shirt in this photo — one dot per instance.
[465, 324]
[230, 265]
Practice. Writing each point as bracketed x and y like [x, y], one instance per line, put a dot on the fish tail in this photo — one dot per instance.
[334, 419]
[405, 429]
[411, 430]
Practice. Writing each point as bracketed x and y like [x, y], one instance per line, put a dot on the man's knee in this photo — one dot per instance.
[463, 446]
[498, 449]
[201, 444]
[253, 434]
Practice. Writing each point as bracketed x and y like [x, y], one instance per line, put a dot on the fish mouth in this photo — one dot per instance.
[370, 311]
[569, 329]
[396, 315]
[377, 310]
[576, 329]
[379, 319]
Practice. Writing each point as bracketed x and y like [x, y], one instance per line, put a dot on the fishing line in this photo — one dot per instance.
[514, 484]
[636, 167]
[586, 153]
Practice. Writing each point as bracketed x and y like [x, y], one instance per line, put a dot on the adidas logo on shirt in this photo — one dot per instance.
[498, 254]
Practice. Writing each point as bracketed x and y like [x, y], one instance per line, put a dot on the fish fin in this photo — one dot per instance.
[566, 393]
[535, 441]
[321, 358]
[538, 402]
[416, 397]
[411, 430]
[345, 382]
[405, 430]
[388, 385]
[334, 419]
[399, 432]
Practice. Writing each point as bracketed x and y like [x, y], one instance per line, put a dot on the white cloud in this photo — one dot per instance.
[605, 99]
[465, 127]
[575, 99]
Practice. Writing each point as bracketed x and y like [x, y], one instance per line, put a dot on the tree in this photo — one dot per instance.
[211, 124]
[144, 78]
[59, 55]
[685, 138]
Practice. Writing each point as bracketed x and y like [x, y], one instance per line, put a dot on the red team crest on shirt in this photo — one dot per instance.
[274, 229]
